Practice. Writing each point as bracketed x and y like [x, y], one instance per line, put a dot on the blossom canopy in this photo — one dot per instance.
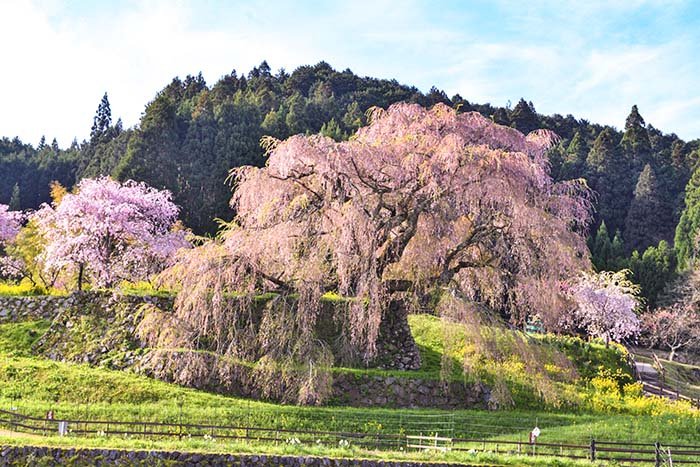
[116, 231]
[10, 223]
[606, 305]
[419, 200]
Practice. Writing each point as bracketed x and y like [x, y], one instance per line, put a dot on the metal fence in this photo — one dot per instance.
[657, 454]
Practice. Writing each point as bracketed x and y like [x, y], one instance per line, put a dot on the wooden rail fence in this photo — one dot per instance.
[658, 454]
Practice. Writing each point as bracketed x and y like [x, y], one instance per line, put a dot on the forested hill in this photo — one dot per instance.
[191, 134]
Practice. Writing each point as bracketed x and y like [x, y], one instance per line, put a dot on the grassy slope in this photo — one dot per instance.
[34, 385]
[587, 357]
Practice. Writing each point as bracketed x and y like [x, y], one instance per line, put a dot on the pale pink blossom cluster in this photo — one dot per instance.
[12, 268]
[606, 305]
[675, 327]
[423, 195]
[10, 223]
[113, 231]
[420, 200]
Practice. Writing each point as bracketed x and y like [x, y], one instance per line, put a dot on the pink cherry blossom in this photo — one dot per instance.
[418, 201]
[675, 327]
[606, 305]
[112, 231]
[10, 223]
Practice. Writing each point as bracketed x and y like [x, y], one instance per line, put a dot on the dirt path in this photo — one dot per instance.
[652, 384]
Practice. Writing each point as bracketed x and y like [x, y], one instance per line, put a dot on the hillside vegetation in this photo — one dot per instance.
[33, 380]
[33, 385]
[191, 134]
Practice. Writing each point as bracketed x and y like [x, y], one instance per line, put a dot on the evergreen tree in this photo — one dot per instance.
[685, 241]
[42, 143]
[332, 130]
[102, 120]
[604, 150]
[296, 116]
[101, 154]
[15, 202]
[617, 261]
[153, 154]
[500, 116]
[653, 270]
[54, 146]
[646, 214]
[609, 176]
[274, 124]
[635, 141]
[353, 118]
[575, 158]
[557, 155]
[678, 153]
[601, 249]
[524, 118]
[436, 96]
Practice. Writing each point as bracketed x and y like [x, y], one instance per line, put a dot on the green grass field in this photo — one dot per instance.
[34, 385]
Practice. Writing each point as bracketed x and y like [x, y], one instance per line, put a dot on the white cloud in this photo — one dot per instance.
[60, 69]
[59, 64]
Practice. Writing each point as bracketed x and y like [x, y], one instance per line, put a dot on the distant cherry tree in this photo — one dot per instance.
[674, 328]
[418, 201]
[606, 304]
[10, 223]
[111, 231]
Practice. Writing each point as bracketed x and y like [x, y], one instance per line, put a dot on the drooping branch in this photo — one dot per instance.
[418, 199]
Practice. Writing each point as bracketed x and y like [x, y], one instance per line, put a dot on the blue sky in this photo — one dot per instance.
[591, 59]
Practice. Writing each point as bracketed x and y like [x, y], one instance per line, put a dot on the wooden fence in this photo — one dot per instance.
[657, 454]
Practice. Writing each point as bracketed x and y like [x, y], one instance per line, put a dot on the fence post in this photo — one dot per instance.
[592, 450]
[657, 454]
[180, 403]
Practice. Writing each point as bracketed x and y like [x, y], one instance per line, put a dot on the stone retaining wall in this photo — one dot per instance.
[99, 329]
[28, 308]
[382, 391]
[50, 306]
[396, 347]
[49, 456]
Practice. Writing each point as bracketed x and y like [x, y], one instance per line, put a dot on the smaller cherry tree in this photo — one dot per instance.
[675, 327]
[112, 231]
[606, 305]
[10, 223]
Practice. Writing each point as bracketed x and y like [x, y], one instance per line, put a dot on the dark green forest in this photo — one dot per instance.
[191, 134]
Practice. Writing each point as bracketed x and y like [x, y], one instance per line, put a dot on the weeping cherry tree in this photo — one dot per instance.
[418, 202]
